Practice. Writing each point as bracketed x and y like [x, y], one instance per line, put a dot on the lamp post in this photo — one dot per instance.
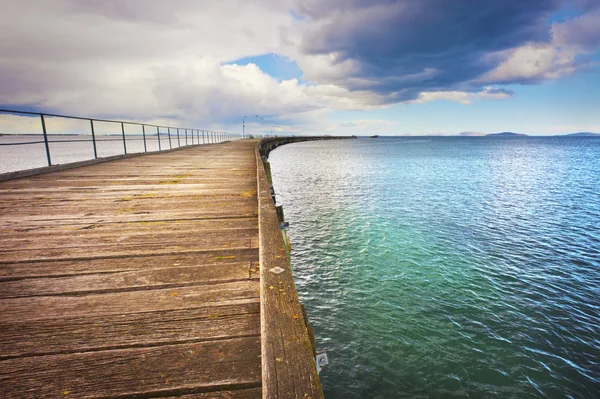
[244, 124]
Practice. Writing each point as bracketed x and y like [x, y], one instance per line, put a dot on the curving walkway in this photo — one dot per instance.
[133, 278]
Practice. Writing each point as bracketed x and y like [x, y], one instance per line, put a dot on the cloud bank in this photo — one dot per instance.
[145, 60]
[405, 49]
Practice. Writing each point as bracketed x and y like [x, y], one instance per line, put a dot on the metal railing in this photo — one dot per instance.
[150, 133]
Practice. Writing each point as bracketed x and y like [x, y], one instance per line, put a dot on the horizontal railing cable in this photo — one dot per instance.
[165, 136]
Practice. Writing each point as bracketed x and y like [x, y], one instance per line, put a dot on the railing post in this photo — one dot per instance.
[169, 133]
[178, 140]
[46, 140]
[203, 137]
[158, 135]
[93, 139]
[186, 143]
[144, 135]
[124, 142]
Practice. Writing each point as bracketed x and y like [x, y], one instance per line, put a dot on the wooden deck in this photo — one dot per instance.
[133, 278]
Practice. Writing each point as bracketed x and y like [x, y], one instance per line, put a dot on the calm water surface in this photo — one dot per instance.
[448, 267]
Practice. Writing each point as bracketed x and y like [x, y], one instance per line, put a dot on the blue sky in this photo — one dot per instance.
[277, 66]
[310, 66]
[558, 106]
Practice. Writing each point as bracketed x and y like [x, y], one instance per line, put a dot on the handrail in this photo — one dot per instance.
[207, 136]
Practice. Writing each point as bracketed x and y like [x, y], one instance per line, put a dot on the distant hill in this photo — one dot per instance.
[583, 134]
[506, 134]
[471, 134]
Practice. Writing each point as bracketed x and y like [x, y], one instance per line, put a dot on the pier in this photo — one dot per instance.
[162, 275]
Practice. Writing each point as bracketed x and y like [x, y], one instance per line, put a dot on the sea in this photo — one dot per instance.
[448, 267]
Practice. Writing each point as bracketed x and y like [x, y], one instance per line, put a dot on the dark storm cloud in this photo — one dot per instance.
[410, 46]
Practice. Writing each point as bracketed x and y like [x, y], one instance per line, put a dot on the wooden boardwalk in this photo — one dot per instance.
[133, 278]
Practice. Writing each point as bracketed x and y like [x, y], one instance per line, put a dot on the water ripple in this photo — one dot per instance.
[448, 267]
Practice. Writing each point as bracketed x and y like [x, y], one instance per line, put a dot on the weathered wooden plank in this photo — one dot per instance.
[87, 333]
[90, 237]
[160, 371]
[174, 276]
[85, 219]
[253, 393]
[215, 208]
[47, 307]
[66, 251]
[191, 225]
[119, 205]
[76, 209]
[96, 181]
[288, 365]
[11, 271]
[145, 194]
[119, 230]
[38, 228]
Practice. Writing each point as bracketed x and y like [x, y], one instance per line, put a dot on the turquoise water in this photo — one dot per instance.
[448, 267]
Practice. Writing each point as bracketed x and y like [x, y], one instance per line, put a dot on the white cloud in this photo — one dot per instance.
[572, 41]
[463, 97]
[533, 63]
[143, 59]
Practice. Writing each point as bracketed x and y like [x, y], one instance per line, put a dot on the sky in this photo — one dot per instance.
[339, 67]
